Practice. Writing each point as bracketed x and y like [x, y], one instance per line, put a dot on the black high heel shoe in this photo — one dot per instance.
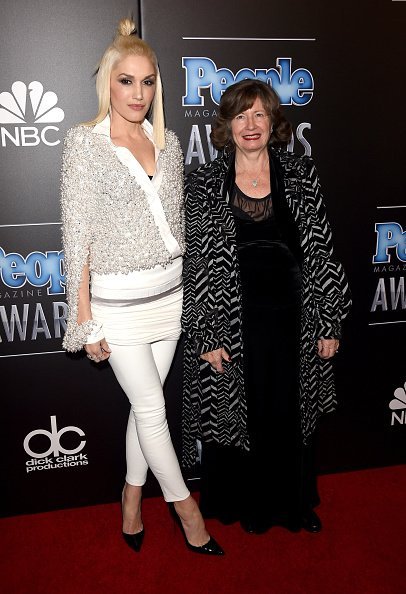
[311, 521]
[134, 541]
[209, 548]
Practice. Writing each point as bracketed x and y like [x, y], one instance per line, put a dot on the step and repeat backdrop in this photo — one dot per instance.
[338, 71]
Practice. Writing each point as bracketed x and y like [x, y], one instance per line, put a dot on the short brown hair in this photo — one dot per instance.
[238, 98]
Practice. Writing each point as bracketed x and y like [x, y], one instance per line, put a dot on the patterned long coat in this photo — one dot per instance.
[214, 405]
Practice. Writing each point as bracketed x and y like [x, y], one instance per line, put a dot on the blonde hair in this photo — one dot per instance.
[126, 42]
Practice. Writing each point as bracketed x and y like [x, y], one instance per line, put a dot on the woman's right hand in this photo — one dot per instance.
[215, 358]
[98, 351]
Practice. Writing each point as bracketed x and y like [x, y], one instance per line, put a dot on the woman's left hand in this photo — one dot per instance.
[97, 351]
[327, 347]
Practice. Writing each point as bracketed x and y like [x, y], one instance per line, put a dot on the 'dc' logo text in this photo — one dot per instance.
[54, 436]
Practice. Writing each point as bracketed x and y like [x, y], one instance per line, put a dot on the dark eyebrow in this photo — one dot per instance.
[130, 75]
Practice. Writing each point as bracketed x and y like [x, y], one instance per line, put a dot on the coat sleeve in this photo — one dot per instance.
[200, 321]
[331, 290]
[76, 232]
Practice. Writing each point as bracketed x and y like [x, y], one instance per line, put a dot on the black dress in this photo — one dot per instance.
[275, 482]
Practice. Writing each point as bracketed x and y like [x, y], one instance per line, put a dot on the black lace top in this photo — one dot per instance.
[270, 274]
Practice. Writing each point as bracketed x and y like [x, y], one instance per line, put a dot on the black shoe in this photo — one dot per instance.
[134, 541]
[311, 521]
[247, 526]
[209, 548]
[254, 526]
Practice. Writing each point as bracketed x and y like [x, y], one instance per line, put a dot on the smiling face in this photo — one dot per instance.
[132, 88]
[251, 129]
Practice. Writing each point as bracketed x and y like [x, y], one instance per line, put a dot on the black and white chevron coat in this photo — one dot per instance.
[214, 407]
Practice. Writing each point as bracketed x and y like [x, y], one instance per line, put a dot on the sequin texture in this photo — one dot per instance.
[106, 220]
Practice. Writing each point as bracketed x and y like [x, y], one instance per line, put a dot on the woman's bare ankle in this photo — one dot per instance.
[192, 521]
[131, 508]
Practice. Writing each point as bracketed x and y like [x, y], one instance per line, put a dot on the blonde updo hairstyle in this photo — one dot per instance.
[127, 43]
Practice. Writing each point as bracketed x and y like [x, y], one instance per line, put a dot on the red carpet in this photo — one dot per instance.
[359, 551]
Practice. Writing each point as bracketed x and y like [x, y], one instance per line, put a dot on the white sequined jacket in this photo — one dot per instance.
[107, 221]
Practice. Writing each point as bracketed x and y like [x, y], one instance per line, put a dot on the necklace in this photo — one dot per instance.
[255, 181]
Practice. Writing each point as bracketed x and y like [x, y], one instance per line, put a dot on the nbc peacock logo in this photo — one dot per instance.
[29, 104]
[398, 406]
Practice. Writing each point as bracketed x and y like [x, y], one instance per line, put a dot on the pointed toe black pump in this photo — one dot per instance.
[134, 541]
[209, 548]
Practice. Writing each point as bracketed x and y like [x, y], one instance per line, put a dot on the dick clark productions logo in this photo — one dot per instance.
[51, 457]
[41, 109]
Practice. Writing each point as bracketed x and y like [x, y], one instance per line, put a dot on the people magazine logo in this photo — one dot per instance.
[32, 305]
[55, 449]
[388, 303]
[29, 105]
[398, 406]
[205, 83]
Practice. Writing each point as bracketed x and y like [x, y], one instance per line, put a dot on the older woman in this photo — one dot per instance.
[264, 299]
[122, 212]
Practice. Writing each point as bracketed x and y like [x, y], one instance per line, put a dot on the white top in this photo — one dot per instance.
[149, 186]
[139, 283]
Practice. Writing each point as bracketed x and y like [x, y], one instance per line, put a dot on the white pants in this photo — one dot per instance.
[143, 336]
[141, 371]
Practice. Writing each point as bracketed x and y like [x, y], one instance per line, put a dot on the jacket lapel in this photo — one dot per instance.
[285, 202]
[219, 197]
[286, 197]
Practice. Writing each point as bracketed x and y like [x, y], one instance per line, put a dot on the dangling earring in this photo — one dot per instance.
[228, 147]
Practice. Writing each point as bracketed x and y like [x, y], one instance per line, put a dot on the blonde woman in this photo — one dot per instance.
[123, 236]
